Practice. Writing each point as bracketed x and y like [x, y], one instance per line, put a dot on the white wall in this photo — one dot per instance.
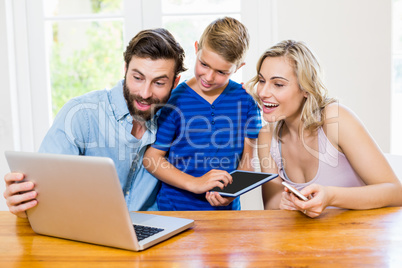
[6, 112]
[352, 39]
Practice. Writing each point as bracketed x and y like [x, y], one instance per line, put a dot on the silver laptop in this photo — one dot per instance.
[80, 198]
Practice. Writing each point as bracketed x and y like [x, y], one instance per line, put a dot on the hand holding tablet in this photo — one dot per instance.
[244, 181]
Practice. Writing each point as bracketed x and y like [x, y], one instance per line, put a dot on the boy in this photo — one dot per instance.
[208, 127]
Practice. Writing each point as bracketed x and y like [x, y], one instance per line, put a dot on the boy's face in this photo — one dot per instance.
[212, 71]
[147, 85]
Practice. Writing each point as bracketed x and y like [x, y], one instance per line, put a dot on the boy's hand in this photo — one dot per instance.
[213, 178]
[216, 199]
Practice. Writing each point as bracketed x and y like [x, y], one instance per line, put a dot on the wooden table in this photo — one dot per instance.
[338, 238]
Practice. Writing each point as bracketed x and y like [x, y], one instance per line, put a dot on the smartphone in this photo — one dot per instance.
[294, 191]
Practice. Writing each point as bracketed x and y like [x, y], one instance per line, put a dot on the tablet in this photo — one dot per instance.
[244, 181]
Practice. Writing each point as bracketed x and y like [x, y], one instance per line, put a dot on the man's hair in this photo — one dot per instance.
[156, 44]
[228, 38]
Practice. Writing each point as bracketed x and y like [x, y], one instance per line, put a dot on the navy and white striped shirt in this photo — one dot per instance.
[199, 136]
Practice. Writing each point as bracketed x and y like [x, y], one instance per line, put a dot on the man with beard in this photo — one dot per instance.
[118, 123]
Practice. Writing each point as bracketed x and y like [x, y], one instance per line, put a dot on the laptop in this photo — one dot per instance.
[80, 198]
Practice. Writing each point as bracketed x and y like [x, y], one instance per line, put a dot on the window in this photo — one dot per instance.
[84, 46]
[58, 45]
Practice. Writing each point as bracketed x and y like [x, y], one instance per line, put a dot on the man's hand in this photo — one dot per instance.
[20, 195]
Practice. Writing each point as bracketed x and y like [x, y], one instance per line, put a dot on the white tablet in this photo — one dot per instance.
[244, 181]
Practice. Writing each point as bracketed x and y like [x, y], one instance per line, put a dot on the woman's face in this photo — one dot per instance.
[278, 90]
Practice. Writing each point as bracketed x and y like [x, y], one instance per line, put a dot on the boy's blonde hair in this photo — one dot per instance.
[308, 73]
[228, 38]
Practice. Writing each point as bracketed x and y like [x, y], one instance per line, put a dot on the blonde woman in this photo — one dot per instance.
[315, 144]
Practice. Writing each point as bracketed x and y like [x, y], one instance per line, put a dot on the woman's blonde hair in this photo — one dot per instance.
[308, 73]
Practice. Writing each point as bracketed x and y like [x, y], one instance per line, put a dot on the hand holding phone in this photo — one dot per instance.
[294, 191]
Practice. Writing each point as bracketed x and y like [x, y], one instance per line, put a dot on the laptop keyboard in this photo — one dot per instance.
[143, 232]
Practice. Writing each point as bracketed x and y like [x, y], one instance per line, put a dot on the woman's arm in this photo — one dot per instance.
[383, 187]
[347, 133]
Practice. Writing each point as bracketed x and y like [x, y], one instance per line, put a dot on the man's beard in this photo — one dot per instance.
[138, 114]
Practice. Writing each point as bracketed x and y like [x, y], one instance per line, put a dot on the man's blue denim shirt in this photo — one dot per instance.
[99, 124]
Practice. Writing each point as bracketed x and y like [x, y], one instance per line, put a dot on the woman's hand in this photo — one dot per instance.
[286, 201]
[318, 200]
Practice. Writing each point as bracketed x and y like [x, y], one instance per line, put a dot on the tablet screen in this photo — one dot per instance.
[244, 181]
